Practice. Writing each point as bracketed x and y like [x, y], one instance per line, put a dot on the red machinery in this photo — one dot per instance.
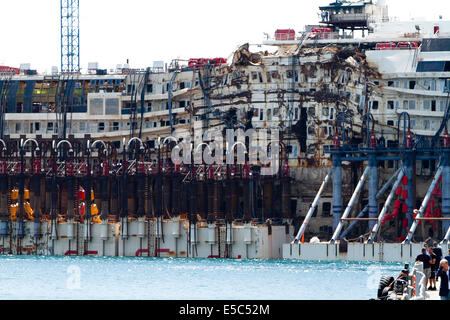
[399, 45]
[285, 34]
[9, 70]
[199, 63]
[385, 46]
[407, 45]
[321, 33]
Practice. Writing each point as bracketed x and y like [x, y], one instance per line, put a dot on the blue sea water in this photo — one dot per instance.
[75, 278]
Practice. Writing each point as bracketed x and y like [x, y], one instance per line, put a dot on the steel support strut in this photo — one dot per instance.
[366, 209]
[424, 205]
[375, 229]
[312, 209]
[350, 205]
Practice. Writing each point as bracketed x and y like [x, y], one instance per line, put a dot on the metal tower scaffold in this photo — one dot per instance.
[70, 36]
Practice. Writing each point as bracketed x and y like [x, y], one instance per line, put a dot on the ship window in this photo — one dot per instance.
[426, 124]
[311, 111]
[112, 106]
[390, 83]
[96, 106]
[37, 127]
[149, 88]
[101, 126]
[412, 84]
[390, 105]
[276, 112]
[433, 125]
[433, 85]
[409, 104]
[390, 123]
[261, 115]
[442, 105]
[326, 209]
[82, 126]
[325, 111]
[254, 76]
[374, 105]
[426, 105]
[183, 104]
[311, 131]
[269, 78]
[115, 126]
[269, 114]
[331, 113]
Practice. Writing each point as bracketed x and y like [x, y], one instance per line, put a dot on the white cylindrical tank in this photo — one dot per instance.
[176, 228]
[141, 228]
[70, 228]
[248, 233]
[211, 233]
[104, 231]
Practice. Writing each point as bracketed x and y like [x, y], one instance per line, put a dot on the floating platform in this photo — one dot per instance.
[147, 238]
[358, 252]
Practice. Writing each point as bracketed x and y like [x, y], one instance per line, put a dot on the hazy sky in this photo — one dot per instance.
[143, 31]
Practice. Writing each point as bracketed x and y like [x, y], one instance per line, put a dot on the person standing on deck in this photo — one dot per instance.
[444, 274]
[425, 259]
[434, 262]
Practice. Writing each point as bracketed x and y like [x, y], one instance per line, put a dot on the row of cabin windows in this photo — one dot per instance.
[418, 124]
[291, 75]
[163, 106]
[267, 114]
[427, 85]
[150, 88]
[427, 105]
[83, 127]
